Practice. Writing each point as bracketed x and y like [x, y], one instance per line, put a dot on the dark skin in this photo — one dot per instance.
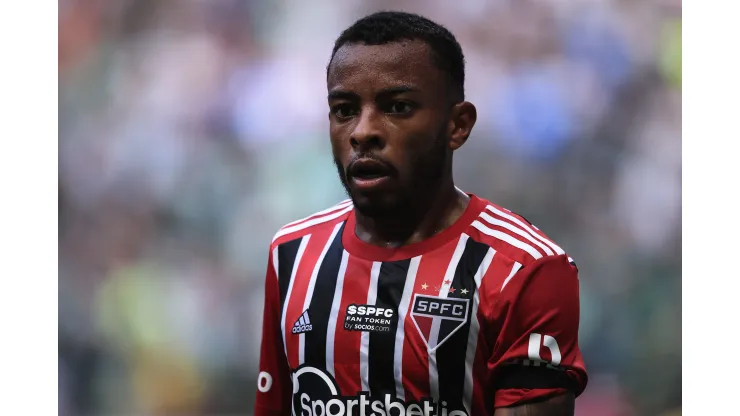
[391, 104]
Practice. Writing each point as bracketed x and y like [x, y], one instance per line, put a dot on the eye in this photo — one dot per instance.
[400, 107]
[342, 111]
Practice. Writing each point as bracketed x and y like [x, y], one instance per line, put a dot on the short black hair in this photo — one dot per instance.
[391, 26]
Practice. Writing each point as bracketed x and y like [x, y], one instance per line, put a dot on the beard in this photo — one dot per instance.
[424, 175]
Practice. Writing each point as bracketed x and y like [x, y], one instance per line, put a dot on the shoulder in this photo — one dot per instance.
[513, 236]
[324, 219]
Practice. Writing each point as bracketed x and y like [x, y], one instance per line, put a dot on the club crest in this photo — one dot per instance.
[437, 318]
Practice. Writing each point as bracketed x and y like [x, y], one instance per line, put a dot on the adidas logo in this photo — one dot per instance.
[303, 324]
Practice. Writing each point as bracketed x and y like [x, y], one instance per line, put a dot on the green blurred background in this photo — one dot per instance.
[190, 131]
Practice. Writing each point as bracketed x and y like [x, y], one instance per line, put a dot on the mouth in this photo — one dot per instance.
[366, 173]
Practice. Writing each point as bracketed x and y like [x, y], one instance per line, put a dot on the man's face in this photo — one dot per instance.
[388, 118]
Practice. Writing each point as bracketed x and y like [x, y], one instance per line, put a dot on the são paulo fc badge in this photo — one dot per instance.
[437, 318]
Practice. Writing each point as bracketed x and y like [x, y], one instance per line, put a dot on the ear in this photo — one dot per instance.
[462, 120]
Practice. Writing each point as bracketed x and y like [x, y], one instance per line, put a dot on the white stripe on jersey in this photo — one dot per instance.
[516, 220]
[372, 294]
[301, 249]
[310, 223]
[507, 238]
[514, 269]
[320, 213]
[516, 230]
[434, 332]
[331, 326]
[309, 290]
[473, 333]
[403, 308]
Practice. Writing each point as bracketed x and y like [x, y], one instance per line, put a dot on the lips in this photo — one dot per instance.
[366, 168]
[369, 175]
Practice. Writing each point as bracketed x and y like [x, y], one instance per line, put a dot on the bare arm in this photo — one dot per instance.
[561, 405]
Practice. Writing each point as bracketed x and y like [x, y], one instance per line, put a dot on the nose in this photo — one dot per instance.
[367, 131]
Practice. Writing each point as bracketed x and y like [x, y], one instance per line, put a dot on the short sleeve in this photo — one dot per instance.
[535, 351]
[274, 385]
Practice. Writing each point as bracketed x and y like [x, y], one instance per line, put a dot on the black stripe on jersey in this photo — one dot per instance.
[391, 282]
[287, 253]
[451, 354]
[320, 306]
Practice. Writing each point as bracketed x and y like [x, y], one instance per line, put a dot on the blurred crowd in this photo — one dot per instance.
[191, 130]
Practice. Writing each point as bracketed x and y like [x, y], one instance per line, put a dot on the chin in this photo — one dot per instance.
[377, 205]
[372, 210]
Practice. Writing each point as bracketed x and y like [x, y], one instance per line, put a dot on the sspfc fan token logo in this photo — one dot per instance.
[437, 319]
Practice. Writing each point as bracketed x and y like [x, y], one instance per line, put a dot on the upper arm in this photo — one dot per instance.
[274, 385]
[535, 350]
[560, 405]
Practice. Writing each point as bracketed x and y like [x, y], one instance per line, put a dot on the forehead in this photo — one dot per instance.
[359, 66]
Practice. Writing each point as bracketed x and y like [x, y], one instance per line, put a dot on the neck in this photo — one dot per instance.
[425, 218]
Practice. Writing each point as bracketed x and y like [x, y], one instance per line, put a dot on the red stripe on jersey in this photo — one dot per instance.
[347, 343]
[490, 286]
[298, 293]
[425, 327]
[272, 365]
[429, 278]
[482, 400]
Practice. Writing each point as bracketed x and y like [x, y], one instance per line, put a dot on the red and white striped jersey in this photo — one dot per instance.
[484, 314]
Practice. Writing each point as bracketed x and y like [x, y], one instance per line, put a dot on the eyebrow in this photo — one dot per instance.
[384, 93]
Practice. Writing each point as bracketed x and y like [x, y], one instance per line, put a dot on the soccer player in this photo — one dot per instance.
[413, 297]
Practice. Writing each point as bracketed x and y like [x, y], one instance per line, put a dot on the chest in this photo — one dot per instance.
[384, 323]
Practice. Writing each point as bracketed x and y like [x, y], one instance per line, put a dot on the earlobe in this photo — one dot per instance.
[464, 116]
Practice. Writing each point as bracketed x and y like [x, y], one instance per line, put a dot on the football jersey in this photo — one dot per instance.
[482, 315]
